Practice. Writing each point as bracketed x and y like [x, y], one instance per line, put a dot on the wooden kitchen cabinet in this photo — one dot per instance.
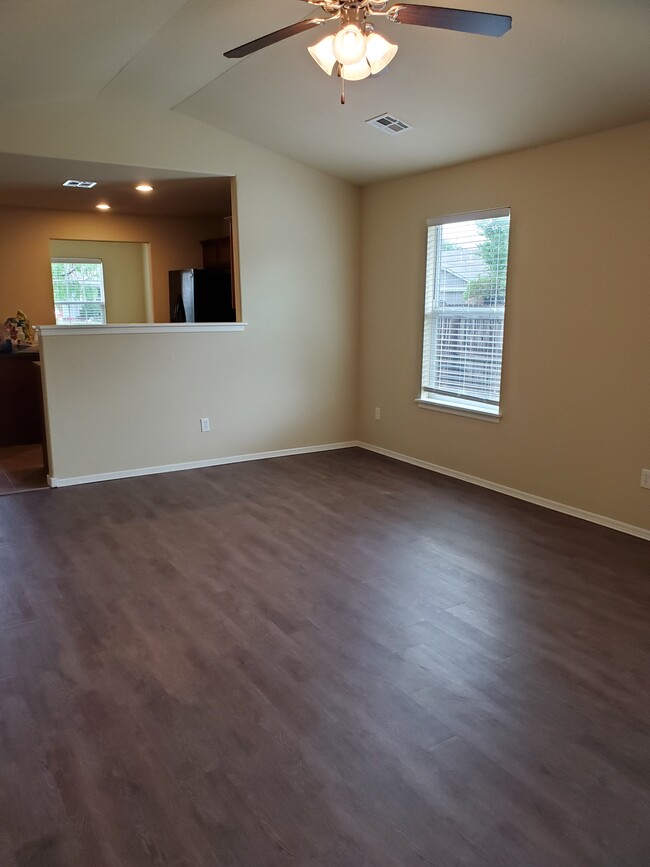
[21, 401]
[217, 254]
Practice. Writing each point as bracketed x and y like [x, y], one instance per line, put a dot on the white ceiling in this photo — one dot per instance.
[567, 67]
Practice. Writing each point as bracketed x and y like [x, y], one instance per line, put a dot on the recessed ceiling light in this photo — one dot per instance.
[84, 185]
[144, 188]
[102, 206]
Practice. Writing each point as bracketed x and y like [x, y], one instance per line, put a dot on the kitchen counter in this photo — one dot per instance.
[28, 352]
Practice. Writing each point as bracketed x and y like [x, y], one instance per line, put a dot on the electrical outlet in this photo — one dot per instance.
[377, 413]
[645, 478]
[205, 425]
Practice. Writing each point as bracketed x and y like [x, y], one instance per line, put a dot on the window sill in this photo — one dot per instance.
[461, 407]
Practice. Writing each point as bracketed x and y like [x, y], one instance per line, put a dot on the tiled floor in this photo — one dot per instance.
[21, 469]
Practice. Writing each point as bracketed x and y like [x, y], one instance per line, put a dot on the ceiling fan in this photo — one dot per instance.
[356, 50]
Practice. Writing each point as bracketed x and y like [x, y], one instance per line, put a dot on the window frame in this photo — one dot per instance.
[76, 260]
[449, 402]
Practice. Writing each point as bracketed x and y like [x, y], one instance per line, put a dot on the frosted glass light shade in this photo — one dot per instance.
[379, 52]
[355, 71]
[323, 54]
[349, 45]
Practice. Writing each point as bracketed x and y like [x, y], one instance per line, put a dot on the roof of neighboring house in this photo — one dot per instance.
[464, 263]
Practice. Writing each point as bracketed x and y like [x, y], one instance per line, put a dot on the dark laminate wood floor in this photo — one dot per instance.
[330, 659]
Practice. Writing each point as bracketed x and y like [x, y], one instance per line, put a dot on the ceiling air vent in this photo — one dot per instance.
[389, 124]
[84, 185]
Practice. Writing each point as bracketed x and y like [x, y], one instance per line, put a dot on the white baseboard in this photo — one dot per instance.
[513, 492]
[640, 532]
[56, 482]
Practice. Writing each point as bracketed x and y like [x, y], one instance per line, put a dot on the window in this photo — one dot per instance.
[78, 286]
[467, 260]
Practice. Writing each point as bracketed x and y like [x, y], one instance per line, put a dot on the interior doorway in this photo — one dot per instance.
[99, 282]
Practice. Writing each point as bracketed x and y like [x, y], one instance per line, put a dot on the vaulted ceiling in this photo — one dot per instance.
[566, 68]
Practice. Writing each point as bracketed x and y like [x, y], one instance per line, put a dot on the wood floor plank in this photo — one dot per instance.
[328, 660]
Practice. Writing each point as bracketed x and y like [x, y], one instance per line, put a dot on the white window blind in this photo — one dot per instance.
[78, 286]
[467, 261]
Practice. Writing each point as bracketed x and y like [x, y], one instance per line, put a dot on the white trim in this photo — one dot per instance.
[482, 414]
[55, 482]
[74, 260]
[470, 215]
[603, 521]
[140, 328]
[640, 532]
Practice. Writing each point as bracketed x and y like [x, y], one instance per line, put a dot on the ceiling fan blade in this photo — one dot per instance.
[271, 38]
[481, 23]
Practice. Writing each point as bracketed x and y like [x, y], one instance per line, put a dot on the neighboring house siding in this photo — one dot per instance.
[457, 268]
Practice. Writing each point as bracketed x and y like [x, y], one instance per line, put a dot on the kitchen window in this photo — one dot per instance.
[465, 294]
[78, 286]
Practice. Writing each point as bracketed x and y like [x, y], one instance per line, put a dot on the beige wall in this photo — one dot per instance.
[144, 396]
[25, 233]
[576, 426]
[125, 277]
[288, 381]
[576, 380]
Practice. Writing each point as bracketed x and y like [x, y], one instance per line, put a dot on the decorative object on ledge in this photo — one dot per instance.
[17, 332]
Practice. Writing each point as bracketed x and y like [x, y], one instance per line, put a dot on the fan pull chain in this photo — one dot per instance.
[342, 85]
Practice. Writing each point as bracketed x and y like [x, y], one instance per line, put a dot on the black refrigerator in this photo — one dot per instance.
[201, 295]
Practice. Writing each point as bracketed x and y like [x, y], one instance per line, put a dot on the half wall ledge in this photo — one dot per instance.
[141, 328]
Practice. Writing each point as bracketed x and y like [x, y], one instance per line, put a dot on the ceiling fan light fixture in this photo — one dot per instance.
[349, 45]
[355, 51]
[355, 71]
[379, 52]
[323, 54]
